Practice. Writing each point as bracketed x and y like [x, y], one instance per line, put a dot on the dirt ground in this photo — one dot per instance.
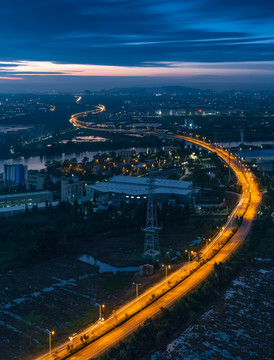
[41, 297]
[61, 295]
[237, 328]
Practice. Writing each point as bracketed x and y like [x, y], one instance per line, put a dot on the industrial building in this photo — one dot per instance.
[29, 198]
[257, 156]
[264, 159]
[129, 188]
[13, 210]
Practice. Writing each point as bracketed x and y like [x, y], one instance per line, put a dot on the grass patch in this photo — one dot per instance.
[117, 282]
[81, 322]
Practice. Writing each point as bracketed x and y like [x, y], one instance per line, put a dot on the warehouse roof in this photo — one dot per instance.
[25, 194]
[143, 181]
[265, 153]
[139, 186]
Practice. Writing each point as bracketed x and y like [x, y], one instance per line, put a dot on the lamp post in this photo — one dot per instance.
[188, 252]
[222, 231]
[166, 267]
[137, 289]
[50, 334]
[101, 319]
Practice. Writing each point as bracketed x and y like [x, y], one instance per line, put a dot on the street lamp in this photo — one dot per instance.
[136, 286]
[50, 334]
[166, 267]
[101, 318]
[188, 252]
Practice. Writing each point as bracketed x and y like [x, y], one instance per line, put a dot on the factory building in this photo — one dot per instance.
[264, 159]
[29, 198]
[125, 189]
[257, 156]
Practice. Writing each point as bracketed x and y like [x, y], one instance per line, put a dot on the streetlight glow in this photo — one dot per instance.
[166, 267]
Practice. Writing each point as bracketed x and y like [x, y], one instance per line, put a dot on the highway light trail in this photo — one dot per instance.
[74, 120]
[128, 318]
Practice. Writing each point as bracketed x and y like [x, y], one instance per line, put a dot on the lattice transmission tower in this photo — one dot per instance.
[152, 245]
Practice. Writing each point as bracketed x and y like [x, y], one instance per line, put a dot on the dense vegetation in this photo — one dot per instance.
[33, 236]
[37, 236]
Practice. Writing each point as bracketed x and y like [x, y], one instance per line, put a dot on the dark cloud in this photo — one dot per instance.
[131, 32]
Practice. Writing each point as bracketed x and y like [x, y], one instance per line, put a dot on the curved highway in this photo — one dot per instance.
[74, 120]
[128, 318]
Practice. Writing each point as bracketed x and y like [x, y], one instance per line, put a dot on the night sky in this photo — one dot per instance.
[93, 44]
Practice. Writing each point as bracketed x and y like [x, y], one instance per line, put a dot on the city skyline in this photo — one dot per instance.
[69, 45]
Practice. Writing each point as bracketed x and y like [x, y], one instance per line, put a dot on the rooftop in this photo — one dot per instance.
[143, 181]
[16, 195]
[135, 186]
[265, 153]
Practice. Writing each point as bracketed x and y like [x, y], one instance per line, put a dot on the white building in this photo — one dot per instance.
[71, 189]
[130, 188]
[36, 181]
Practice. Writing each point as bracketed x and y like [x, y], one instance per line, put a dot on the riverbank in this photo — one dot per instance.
[38, 162]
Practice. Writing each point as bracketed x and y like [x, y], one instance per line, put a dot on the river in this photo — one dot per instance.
[38, 162]
[234, 144]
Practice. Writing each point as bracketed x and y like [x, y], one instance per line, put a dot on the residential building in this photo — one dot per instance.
[15, 174]
[127, 155]
[71, 189]
[36, 180]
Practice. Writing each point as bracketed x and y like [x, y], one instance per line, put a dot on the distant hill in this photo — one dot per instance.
[169, 90]
[163, 90]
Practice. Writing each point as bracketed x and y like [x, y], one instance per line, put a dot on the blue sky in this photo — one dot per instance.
[74, 44]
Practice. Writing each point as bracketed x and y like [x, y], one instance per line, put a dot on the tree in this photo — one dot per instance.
[160, 338]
